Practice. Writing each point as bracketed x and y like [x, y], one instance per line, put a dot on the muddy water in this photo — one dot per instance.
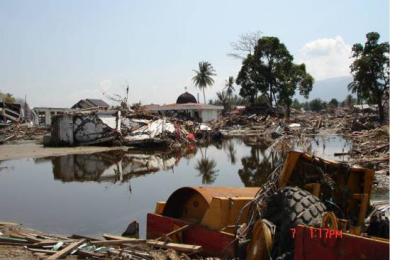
[103, 192]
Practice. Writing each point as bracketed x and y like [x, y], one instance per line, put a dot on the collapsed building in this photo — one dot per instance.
[84, 128]
[45, 114]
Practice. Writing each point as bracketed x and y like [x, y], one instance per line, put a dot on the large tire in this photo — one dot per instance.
[288, 208]
[380, 223]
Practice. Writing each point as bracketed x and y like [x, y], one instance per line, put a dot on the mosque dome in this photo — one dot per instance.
[186, 97]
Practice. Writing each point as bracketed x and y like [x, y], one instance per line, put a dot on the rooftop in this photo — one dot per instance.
[185, 106]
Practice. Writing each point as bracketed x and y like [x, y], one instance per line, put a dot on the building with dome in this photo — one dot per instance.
[187, 105]
[186, 97]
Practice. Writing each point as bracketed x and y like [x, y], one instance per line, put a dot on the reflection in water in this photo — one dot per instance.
[206, 168]
[229, 147]
[121, 166]
[113, 166]
[256, 167]
[64, 195]
[327, 146]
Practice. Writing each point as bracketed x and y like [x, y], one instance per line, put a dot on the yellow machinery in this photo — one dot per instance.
[220, 210]
[216, 208]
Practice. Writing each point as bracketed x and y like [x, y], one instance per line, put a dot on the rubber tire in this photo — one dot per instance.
[288, 208]
[379, 225]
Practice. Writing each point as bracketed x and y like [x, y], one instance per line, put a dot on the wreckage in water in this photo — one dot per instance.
[314, 209]
[110, 128]
[84, 129]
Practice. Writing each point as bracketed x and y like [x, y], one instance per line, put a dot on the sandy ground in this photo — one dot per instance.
[31, 149]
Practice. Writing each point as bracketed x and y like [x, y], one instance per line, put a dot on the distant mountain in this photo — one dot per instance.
[329, 88]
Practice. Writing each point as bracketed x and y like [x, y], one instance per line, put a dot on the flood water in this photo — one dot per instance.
[103, 192]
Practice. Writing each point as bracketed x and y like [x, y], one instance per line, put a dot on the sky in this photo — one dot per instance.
[57, 52]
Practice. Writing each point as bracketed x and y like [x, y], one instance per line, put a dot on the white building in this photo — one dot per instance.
[187, 104]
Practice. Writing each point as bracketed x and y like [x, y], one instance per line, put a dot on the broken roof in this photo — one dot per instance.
[89, 103]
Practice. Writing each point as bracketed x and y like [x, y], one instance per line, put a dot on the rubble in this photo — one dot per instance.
[144, 129]
[31, 244]
[20, 131]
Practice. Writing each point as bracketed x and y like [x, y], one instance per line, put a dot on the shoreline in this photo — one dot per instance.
[32, 149]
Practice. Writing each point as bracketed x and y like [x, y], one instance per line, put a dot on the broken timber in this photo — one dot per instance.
[67, 250]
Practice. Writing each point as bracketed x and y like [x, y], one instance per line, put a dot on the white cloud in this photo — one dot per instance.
[326, 58]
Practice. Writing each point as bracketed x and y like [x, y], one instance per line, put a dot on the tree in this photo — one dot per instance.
[334, 103]
[224, 100]
[297, 79]
[229, 86]
[317, 105]
[349, 101]
[371, 71]
[271, 71]
[296, 104]
[271, 60]
[203, 76]
[245, 45]
[246, 80]
[306, 106]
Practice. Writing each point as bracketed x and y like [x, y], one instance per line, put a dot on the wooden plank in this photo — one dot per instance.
[117, 242]
[24, 236]
[186, 248]
[12, 243]
[44, 251]
[90, 254]
[13, 239]
[67, 250]
[78, 236]
[165, 236]
[116, 237]
[49, 243]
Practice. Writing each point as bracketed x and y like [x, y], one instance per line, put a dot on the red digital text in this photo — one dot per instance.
[321, 233]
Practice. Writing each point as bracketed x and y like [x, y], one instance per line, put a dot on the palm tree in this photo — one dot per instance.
[223, 99]
[229, 86]
[203, 76]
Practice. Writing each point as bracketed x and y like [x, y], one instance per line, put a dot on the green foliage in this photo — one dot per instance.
[247, 80]
[224, 100]
[306, 106]
[271, 71]
[296, 104]
[349, 101]
[371, 71]
[334, 103]
[317, 105]
[203, 76]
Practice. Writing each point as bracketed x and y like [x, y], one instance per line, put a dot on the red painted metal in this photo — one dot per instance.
[348, 247]
[214, 243]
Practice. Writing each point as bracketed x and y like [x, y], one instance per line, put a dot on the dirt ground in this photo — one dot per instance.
[31, 149]
[15, 253]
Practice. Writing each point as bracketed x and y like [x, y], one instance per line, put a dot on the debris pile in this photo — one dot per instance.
[17, 131]
[36, 245]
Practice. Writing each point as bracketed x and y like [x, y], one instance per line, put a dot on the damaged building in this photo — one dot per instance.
[84, 129]
[187, 106]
